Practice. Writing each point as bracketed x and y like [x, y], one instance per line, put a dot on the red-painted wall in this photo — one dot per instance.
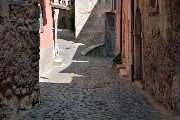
[46, 39]
[47, 35]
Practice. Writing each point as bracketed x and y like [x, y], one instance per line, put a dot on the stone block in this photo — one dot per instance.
[123, 73]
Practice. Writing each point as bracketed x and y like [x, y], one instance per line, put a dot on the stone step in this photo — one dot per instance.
[118, 67]
[123, 73]
[57, 62]
[88, 49]
[139, 84]
[177, 118]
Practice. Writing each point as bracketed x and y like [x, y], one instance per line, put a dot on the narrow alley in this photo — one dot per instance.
[89, 60]
[87, 88]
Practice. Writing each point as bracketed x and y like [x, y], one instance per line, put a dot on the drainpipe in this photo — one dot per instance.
[53, 26]
[132, 37]
[121, 26]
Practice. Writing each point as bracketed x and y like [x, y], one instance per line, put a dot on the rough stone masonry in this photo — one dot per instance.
[161, 50]
[19, 56]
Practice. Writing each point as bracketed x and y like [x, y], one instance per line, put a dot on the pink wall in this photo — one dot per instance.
[47, 35]
[46, 39]
[126, 32]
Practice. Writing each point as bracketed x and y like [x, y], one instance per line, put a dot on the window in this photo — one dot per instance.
[112, 22]
[153, 7]
[113, 4]
[152, 3]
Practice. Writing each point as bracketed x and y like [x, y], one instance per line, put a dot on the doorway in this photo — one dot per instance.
[138, 46]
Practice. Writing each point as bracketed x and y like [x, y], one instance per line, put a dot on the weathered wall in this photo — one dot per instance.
[160, 50]
[125, 36]
[173, 35]
[46, 42]
[90, 26]
[157, 40]
[156, 64]
[19, 68]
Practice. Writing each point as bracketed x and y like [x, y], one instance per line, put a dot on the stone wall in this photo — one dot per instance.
[156, 65]
[161, 50]
[19, 56]
[174, 49]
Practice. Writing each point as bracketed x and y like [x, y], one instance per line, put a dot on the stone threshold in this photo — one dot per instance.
[57, 62]
[139, 84]
[121, 70]
[124, 74]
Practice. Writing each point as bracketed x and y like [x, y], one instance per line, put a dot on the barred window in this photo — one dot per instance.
[112, 21]
[152, 3]
[153, 7]
[113, 4]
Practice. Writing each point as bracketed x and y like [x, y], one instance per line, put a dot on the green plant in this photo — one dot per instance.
[72, 21]
[117, 59]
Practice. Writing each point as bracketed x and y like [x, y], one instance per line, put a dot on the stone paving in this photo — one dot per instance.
[87, 88]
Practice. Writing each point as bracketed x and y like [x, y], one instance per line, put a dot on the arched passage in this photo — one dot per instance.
[138, 46]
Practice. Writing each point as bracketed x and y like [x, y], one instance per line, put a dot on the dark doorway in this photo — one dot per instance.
[110, 35]
[138, 46]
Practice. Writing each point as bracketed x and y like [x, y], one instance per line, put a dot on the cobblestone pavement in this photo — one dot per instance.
[87, 88]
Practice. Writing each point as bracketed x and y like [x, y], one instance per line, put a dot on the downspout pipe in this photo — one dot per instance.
[121, 25]
[132, 37]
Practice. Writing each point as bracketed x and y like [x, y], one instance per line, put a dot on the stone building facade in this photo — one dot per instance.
[149, 38]
[19, 44]
[90, 21]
